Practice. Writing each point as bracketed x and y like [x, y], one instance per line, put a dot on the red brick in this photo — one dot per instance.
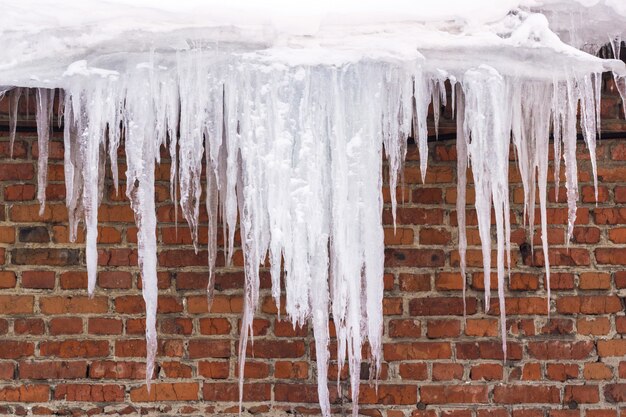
[213, 370]
[7, 279]
[97, 325]
[414, 371]
[114, 279]
[66, 325]
[582, 394]
[29, 326]
[438, 329]
[16, 304]
[526, 394]
[560, 350]
[447, 371]
[416, 351]
[73, 305]
[38, 279]
[291, 369]
[52, 370]
[588, 304]
[13, 349]
[180, 391]
[230, 392]
[75, 348]
[16, 171]
[453, 394]
[25, 393]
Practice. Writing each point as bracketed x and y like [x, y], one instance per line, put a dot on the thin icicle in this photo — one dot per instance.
[14, 103]
[461, 186]
[45, 103]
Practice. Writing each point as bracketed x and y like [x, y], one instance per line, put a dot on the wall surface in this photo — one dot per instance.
[62, 353]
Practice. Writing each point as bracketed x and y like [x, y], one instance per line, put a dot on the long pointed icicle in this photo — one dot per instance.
[14, 102]
[461, 185]
[45, 102]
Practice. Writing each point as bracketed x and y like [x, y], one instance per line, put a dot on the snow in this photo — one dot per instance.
[289, 108]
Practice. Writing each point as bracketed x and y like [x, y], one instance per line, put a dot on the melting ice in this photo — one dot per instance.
[291, 132]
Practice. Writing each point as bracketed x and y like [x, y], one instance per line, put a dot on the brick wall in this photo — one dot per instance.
[62, 353]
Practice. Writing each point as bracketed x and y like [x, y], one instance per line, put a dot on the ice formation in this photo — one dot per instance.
[289, 112]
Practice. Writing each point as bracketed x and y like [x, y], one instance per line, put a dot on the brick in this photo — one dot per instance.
[13, 349]
[414, 282]
[291, 369]
[607, 348]
[7, 234]
[98, 325]
[204, 348]
[20, 192]
[597, 371]
[34, 234]
[28, 326]
[230, 392]
[486, 372]
[297, 393]
[25, 393]
[117, 370]
[414, 371]
[416, 351]
[38, 279]
[561, 371]
[611, 256]
[50, 257]
[560, 350]
[453, 394]
[89, 393]
[487, 350]
[73, 305]
[16, 304]
[447, 371]
[414, 257]
[7, 279]
[16, 171]
[526, 394]
[588, 304]
[65, 325]
[75, 348]
[438, 329]
[213, 370]
[180, 391]
[387, 395]
[276, 349]
[52, 370]
[441, 306]
[614, 393]
[114, 279]
[405, 328]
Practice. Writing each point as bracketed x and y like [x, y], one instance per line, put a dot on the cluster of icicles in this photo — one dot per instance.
[297, 153]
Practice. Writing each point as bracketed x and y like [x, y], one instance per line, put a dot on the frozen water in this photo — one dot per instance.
[289, 112]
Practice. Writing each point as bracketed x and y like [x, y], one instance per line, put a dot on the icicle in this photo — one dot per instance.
[568, 117]
[487, 122]
[45, 102]
[461, 186]
[14, 102]
[141, 154]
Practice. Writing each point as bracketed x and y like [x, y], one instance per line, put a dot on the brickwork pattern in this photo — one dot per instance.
[62, 353]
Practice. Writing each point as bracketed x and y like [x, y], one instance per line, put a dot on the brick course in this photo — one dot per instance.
[64, 353]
